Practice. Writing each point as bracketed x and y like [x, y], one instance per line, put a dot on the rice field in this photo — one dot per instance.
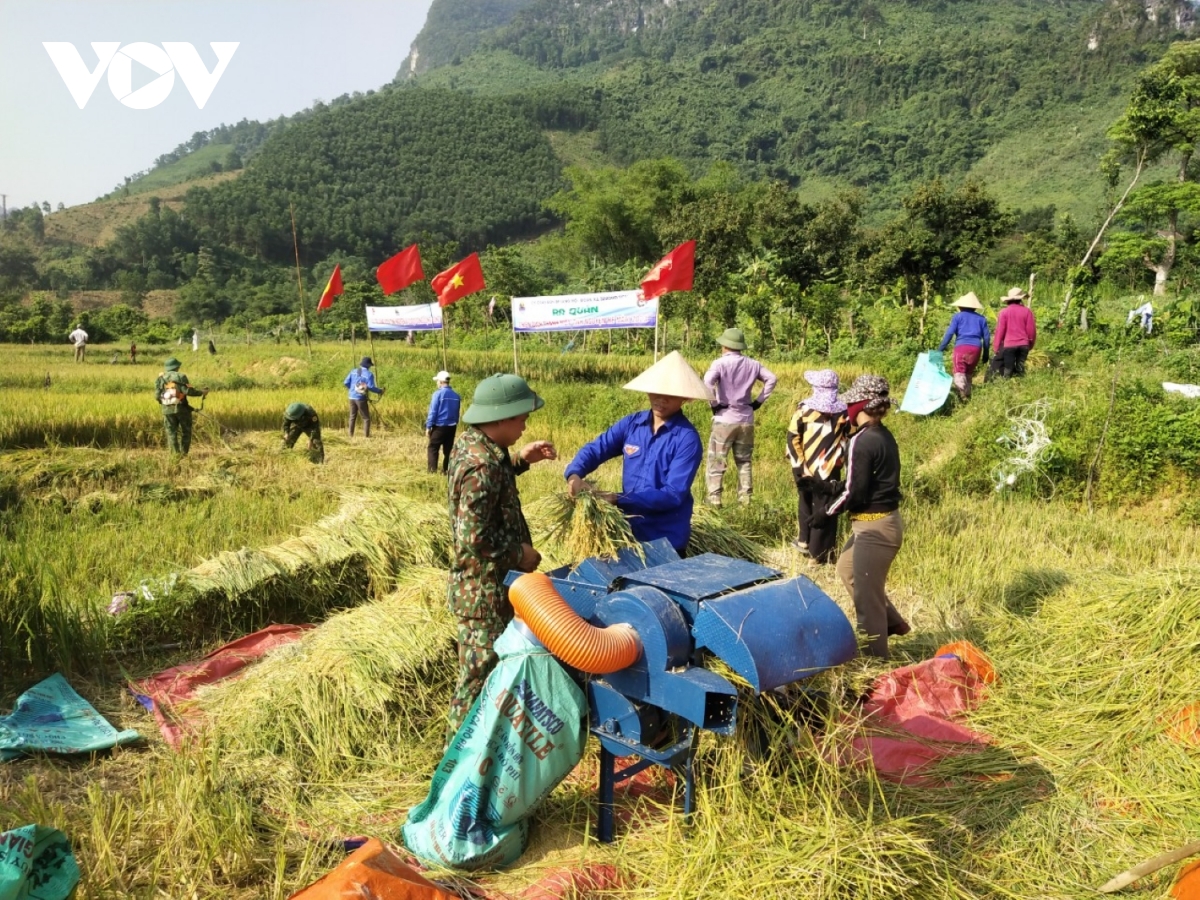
[1092, 621]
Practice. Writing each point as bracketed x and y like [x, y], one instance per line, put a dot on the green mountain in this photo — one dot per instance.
[827, 93]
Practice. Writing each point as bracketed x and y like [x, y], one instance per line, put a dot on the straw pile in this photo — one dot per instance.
[338, 562]
[343, 726]
[712, 534]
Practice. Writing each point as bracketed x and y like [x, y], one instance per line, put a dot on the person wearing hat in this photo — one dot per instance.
[172, 390]
[298, 419]
[731, 379]
[489, 534]
[660, 454]
[969, 331]
[359, 383]
[816, 449]
[441, 422]
[871, 496]
[1016, 333]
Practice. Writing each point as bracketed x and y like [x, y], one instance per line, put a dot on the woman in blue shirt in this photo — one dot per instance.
[969, 329]
[660, 451]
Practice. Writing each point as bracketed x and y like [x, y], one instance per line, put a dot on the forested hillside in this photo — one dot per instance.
[370, 176]
[837, 92]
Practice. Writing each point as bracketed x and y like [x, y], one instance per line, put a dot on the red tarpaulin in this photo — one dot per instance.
[911, 714]
[162, 692]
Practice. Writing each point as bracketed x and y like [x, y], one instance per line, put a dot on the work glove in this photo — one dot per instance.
[719, 407]
[755, 404]
[986, 355]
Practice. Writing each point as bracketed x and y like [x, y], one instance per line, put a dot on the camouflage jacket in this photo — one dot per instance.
[488, 526]
[180, 379]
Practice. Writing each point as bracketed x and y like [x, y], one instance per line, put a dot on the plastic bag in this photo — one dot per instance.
[524, 734]
[929, 385]
[36, 863]
[51, 718]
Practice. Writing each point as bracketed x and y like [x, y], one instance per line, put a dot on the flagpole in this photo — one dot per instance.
[443, 331]
[299, 280]
[656, 338]
[516, 371]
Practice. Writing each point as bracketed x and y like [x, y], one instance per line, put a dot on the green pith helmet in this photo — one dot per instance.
[295, 412]
[733, 338]
[172, 365]
[501, 397]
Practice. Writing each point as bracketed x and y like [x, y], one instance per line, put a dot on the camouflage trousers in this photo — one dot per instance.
[476, 659]
[178, 426]
[316, 447]
[726, 437]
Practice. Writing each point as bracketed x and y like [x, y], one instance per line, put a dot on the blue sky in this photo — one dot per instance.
[289, 54]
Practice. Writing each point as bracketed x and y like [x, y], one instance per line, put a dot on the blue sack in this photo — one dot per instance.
[524, 734]
[929, 385]
[36, 863]
[51, 718]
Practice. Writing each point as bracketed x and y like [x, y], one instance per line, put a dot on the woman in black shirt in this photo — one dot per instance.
[871, 496]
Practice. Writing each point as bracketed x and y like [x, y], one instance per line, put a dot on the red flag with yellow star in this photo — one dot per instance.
[458, 281]
[332, 289]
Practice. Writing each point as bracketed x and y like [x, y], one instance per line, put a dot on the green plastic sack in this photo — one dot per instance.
[36, 863]
[524, 734]
[51, 718]
[929, 385]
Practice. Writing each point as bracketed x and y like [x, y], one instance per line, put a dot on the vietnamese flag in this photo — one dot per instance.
[673, 273]
[458, 281]
[400, 271]
[332, 289]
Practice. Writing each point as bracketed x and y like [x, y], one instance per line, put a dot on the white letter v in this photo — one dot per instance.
[80, 82]
[198, 80]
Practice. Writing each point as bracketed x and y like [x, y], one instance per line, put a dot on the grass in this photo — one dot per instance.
[1089, 619]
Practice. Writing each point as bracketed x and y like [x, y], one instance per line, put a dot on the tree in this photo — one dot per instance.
[939, 230]
[1161, 122]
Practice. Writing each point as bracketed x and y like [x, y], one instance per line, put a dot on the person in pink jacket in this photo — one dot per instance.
[1016, 333]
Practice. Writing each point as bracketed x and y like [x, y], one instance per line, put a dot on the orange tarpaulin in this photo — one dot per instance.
[375, 871]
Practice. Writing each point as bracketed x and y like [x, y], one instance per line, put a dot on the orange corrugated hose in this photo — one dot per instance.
[566, 634]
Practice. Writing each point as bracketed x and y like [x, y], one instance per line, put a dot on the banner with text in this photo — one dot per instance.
[426, 317]
[584, 312]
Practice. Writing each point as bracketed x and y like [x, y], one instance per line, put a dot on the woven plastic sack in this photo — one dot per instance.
[929, 385]
[524, 734]
[36, 863]
[373, 871]
[51, 718]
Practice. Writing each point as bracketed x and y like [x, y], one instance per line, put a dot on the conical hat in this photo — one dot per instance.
[968, 301]
[671, 376]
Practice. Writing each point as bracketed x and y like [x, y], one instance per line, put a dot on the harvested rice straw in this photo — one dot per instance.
[711, 534]
[582, 527]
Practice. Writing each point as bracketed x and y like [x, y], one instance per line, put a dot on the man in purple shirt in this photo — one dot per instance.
[731, 380]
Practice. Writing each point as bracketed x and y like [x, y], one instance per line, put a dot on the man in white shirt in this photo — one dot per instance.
[79, 338]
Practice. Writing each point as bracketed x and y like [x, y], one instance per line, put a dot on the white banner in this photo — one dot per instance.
[584, 312]
[426, 317]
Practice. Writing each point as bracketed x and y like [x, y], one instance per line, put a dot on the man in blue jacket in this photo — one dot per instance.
[660, 451]
[359, 383]
[442, 422]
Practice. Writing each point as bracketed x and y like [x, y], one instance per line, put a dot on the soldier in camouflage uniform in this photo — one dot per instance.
[172, 390]
[298, 419]
[490, 533]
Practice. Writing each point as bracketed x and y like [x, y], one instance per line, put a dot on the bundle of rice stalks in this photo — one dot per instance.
[338, 562]
[350, 691]
[572, 529]
[712, 534]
